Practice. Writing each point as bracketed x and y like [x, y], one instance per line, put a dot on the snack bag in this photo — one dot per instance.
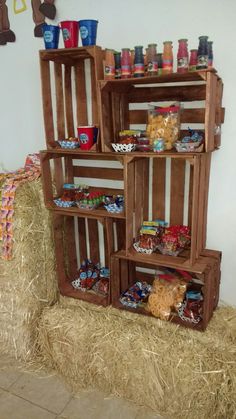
[164, 123]
[167, 294]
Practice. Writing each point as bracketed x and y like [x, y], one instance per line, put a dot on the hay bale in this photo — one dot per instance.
[27, 282]
[175, 371]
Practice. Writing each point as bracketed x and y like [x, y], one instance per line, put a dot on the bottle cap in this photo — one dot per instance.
[168, 42]
[152, 45]
[203, 37]
[125, 49]
[183, 40]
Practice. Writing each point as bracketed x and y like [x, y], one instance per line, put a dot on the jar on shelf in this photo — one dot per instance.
[138, 61]
[182, 56]
[159, 63]
[167, 58]
[132, 61]
[152, 66]
[193, 60]
[202, 53]
[125, 63]
[117, 58]
[109, 68]
[210, 54]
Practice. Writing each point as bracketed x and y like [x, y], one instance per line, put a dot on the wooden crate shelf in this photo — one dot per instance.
[67, 100]
[207, 269]
[118, 98]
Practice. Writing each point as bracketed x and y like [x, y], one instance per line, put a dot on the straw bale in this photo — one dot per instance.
[27, 282]
[177, 372]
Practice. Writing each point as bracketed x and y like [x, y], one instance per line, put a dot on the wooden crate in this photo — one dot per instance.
[125, 271]
[174, 189]
[77, 239]
[200, 94]
[69, 90]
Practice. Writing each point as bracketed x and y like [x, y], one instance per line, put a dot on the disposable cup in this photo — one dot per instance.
[51, 35]
[70, 33]
[88, 31]
[86, 136]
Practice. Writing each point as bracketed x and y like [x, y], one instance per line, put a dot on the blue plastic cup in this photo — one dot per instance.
[51, 35]
[88, 31]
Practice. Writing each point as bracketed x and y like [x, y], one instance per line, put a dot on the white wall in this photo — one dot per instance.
[128, 23]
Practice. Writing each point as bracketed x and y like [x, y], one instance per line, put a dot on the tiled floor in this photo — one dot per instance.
[26, 395]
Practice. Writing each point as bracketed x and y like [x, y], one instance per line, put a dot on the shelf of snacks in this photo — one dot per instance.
[165, 127]
[186, 296]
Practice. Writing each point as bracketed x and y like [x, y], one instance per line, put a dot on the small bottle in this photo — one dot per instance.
[109, 68]
[202, 53]
[138, 61]
[193, 60]
[117, 58]
[210, 54]
[132, 61]
[159, 63]
[152, 66]
[182, 56]
[167, 58]
[125, 63]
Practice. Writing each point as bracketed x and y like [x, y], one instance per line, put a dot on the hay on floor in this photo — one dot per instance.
[28, 281]
[177, 372]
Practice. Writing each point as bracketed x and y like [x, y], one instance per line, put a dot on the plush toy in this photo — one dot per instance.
[41, 9]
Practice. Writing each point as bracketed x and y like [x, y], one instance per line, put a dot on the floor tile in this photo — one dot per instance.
[14, 407]
[45, 391]
[93, 405]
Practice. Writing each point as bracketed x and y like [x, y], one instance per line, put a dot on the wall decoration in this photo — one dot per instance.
[41, 9]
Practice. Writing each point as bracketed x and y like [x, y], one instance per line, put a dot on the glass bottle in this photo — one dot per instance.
[210, 54]
[152, 66]
[109, 68]
[138, 61]
[182, 56]
[202, 53]
[125, 63]
[193, 60]
[117, 58]
[132, 61]
[167, 58]
[159, 63]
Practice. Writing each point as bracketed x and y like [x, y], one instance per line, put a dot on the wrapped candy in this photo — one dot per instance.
[136, 294]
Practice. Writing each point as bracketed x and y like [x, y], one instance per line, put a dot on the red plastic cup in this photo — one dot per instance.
[86, 136]
[70, 32]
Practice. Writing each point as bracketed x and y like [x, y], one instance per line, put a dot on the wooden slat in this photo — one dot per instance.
[194, 116]
[129, 200]
[93, 240]
[210, 112]
[46, 178]
[177, 192]
[203, 181]
[145, 188]
[219, 111]
[195, 201]
[81, 98]
[82, 239]
[107, 191]
[70, 246]
[120, 232]
[69, 102]
[158, 189]
[59, 101]
[106, 126]
[138, 197]
[94, 93]
[108, 240]
[47, 102]
[59, 251]
[116, 112]
[124, 111]
[207, 180]
[124, 276]
[190, 196]
[58, 178]
[115, 279]
[180, 93]
[98, 173]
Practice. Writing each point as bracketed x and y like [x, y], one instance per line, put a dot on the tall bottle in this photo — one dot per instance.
[152, 66]
[117, 58]
[182, 56]
[210, 54]
[167, 58]
[109, 68]
[193, 60]
[125, 63]
[202, 53]
[138, 61]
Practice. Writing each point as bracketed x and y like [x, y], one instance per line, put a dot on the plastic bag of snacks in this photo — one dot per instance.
[150, 236]
[136, 294]
[164, 123]
[174, 240]
[167, 294]
[191, 309]
[88, 275]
